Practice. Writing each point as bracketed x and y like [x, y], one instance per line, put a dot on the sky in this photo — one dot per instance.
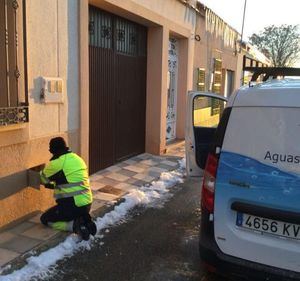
[259, 13]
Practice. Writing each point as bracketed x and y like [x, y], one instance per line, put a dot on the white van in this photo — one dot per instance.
[249, 149]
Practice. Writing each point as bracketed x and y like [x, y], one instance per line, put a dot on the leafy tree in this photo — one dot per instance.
[281, 44]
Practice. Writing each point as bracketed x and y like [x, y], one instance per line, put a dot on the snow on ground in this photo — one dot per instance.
[41, 266]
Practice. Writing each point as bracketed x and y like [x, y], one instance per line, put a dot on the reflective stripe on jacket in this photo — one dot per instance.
[68, 174]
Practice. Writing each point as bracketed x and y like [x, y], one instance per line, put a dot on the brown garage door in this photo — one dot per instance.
[117, 59]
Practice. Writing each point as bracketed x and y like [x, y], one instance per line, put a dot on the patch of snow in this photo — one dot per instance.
[7, 267]
[182, 163]
[44, 264]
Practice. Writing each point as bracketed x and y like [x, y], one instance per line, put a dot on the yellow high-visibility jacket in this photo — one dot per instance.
[68, 176]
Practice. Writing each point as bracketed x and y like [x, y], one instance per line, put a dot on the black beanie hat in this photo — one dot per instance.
[57, 145]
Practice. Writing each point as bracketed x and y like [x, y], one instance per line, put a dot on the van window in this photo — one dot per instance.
[207, 111]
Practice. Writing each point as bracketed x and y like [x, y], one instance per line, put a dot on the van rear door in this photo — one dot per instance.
[204, 111]
[257, 193]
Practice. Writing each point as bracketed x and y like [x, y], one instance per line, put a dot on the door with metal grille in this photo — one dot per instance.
[172, 90]
[117, 54]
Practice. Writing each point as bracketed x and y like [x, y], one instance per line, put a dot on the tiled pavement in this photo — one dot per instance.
[107, 185]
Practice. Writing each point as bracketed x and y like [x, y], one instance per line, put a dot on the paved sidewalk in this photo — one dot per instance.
[108, 187]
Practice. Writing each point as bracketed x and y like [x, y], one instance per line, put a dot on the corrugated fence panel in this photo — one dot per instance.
[101, 108]
[117, 89]
[130, 125]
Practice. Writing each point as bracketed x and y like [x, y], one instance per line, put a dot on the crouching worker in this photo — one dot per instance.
[67, 175]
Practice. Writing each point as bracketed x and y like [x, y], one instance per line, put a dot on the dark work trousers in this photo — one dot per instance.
[65, 210]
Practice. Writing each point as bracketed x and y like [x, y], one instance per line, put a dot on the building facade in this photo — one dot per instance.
[94, 72]
[110, 76]
[216, 54]
[39, 59]
[129, 115]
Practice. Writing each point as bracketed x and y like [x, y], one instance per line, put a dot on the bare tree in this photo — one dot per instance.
[281, 44]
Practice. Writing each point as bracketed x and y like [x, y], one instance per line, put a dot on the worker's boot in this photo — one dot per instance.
[91, 226]
[80, 228]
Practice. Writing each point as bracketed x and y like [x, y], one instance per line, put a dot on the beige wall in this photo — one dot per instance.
[239, 74]
[147, 12]
[16, 199]
[181, 14]
[161, 25]
[84, 78]
[156, 103]
[211, 47]
[185, 82]
[52, 51]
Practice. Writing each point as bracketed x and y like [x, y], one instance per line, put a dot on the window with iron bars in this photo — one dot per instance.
[13, 93]
[112, 32]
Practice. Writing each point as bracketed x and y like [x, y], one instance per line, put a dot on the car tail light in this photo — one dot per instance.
[209, 267]
[209, 180]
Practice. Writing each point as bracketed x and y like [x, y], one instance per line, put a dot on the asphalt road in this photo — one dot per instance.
[155, 244]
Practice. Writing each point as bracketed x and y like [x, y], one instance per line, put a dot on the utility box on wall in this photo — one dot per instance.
[52, 90]
[33, 176]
